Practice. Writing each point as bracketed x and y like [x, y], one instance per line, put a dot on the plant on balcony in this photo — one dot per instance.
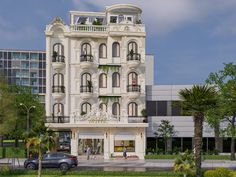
[96, 22]
[54, 55]
[139, 22]
[83, 113]
[90, 85]
[144, 113]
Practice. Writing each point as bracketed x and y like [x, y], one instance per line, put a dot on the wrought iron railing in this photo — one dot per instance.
[58, 119]
[58, 89]
[133, 56]
[85, 89]
[86, 57]
[133, 88]
[58, 58]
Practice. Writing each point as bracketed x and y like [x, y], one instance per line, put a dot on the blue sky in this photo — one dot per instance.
[189, 38]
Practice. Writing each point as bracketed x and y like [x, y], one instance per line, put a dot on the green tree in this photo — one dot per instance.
[166, 131]
[225, 82]
[41, 139]
[7, 114]
[197, 101]
[214, 117]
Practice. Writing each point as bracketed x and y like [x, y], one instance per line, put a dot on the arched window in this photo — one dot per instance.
[115, 49]
[86, 49]
[103, 80]
[103, 51]
[85, 78]
[132, 109]
[58, 109]
[85, 108]
[58, 79]
[132, 47]
[132, 78]
[115, 79]
[58, 48]
[103, 107]
[116, 109]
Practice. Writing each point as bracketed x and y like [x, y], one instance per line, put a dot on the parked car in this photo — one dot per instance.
[53, 160]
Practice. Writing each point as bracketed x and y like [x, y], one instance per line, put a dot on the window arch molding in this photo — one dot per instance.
[116, 79]
[58, 48]
[103, 50]
[58, 109]
[103, 80]
[132, 109]
[103, 107]
[58, 79]
[85, 108]
[132, 78]
[116, 109]
[116, 49]
[132, 45]
[86, 48]
[85, 77]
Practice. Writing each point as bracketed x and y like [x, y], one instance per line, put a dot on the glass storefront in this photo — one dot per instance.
[120, 144]
[96, 146]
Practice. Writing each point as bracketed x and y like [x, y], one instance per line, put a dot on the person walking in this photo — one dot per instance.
[125, 153]
[88, 152]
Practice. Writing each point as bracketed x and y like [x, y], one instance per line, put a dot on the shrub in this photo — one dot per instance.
[218, 172]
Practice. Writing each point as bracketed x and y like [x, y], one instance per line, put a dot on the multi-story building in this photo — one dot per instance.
[25, 67]
[96, 80]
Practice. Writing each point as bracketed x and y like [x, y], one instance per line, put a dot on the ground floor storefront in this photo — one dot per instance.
[104, 141]
[180, 144]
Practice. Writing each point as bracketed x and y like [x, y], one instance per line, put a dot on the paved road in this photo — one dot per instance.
[116, 164]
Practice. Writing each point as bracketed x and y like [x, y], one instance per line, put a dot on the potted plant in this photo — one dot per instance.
[54, 55]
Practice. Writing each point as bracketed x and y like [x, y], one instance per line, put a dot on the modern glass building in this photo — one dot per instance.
[25, 67]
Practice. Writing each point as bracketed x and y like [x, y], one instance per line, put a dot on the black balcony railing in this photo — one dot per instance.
[133, 56]
[58, 89]
[133, 88]
[86, 57]
[137, 119]
[85, 88]
[58, 58]
[58, 119]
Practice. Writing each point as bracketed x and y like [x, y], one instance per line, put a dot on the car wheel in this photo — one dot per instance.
[31, 166]
[64, 166]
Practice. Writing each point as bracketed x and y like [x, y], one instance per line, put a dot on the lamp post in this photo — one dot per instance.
[27, 129]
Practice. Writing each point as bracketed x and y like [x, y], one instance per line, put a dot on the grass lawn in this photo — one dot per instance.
[56, 173]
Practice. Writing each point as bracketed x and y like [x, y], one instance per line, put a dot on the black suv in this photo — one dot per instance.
[53, 160]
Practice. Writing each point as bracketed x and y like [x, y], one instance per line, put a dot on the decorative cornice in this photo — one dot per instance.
[57, 20]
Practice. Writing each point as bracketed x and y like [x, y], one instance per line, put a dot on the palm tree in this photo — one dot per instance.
[197, 101]
[41, 141]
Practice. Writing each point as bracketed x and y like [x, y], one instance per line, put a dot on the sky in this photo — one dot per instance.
[188, 38]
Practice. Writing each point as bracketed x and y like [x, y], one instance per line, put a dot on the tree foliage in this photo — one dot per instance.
[225, 82]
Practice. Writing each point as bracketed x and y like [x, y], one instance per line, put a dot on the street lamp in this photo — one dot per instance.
[28, 111]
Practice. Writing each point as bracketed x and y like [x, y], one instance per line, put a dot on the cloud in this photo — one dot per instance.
[164, 16]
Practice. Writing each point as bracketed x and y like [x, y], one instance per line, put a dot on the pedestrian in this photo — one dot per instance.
[88, 152]
[125, 153]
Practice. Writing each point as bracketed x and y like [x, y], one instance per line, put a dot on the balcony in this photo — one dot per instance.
[134, 91]
[58, 119]
[89, 28]
[58, 92]
[86, 61]
[133, 60]
[137, 119]
[86, 92]
[58, 62]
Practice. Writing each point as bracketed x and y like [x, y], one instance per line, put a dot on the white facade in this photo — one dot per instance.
[96, 79]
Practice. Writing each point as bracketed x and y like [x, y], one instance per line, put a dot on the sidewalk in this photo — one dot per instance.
[150, 163]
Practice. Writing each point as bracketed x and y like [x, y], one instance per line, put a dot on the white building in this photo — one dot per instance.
[95, 71]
